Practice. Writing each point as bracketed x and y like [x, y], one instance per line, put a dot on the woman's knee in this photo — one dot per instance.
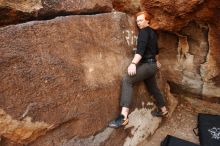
[126, 79]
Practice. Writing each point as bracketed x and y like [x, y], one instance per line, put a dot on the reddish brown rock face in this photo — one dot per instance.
[13, 12]
[127, 6]
[80, 6]
[171, 15]
[65, 72]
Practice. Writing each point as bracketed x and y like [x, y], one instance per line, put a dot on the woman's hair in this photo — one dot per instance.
[146, 14]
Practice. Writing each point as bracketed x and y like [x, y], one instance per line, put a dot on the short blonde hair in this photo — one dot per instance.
[146, 14]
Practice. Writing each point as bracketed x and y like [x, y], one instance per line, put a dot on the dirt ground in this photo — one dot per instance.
[182, 121]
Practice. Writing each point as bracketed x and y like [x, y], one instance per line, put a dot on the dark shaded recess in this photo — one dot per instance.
[183, 92]
[10, 16]
[216, 80]
[7, 142]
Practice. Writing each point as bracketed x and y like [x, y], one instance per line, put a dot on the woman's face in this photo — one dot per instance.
[141, 21]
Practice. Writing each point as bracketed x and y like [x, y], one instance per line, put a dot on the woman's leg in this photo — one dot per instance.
[143, 72]
[155, 91]
[124, 112]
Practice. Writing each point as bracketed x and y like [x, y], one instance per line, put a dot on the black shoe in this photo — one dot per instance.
[119, 121]
[159, 113]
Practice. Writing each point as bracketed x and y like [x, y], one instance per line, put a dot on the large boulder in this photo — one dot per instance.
[64, 73]
[13, 12]
[60, 82]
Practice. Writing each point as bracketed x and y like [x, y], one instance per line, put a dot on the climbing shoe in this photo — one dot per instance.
[159, 113]
[119, 121]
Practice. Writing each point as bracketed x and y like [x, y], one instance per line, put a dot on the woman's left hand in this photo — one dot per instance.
[158, 65]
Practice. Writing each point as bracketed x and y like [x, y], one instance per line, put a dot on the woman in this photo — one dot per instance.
[142, 68]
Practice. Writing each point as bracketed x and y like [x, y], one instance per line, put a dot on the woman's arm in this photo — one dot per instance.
[132, 66]
[158, 63]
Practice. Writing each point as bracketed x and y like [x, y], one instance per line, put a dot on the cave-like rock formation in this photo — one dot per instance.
[190, 50]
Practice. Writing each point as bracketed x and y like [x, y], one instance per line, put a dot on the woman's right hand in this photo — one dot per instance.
[131, 69]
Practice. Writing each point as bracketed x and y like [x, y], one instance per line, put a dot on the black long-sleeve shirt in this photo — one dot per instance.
[147, 44]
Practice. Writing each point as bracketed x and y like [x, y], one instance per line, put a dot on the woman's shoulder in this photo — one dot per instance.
[151, 30]
[148, 28]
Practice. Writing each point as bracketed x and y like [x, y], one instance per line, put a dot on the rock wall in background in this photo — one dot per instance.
[189, 42]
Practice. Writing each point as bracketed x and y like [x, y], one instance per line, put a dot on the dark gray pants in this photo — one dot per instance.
[145, 72]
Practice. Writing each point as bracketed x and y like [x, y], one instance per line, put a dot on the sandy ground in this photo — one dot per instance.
[182, 121]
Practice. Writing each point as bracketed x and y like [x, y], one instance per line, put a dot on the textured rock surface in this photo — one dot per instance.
[61, 72]
[143, 125]
[65, 73]
[21, 131]
[183, 66]
[13, 12]
[172, 15]
[79, 6]
[22, 5]
[127, 6]
[193, 67]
